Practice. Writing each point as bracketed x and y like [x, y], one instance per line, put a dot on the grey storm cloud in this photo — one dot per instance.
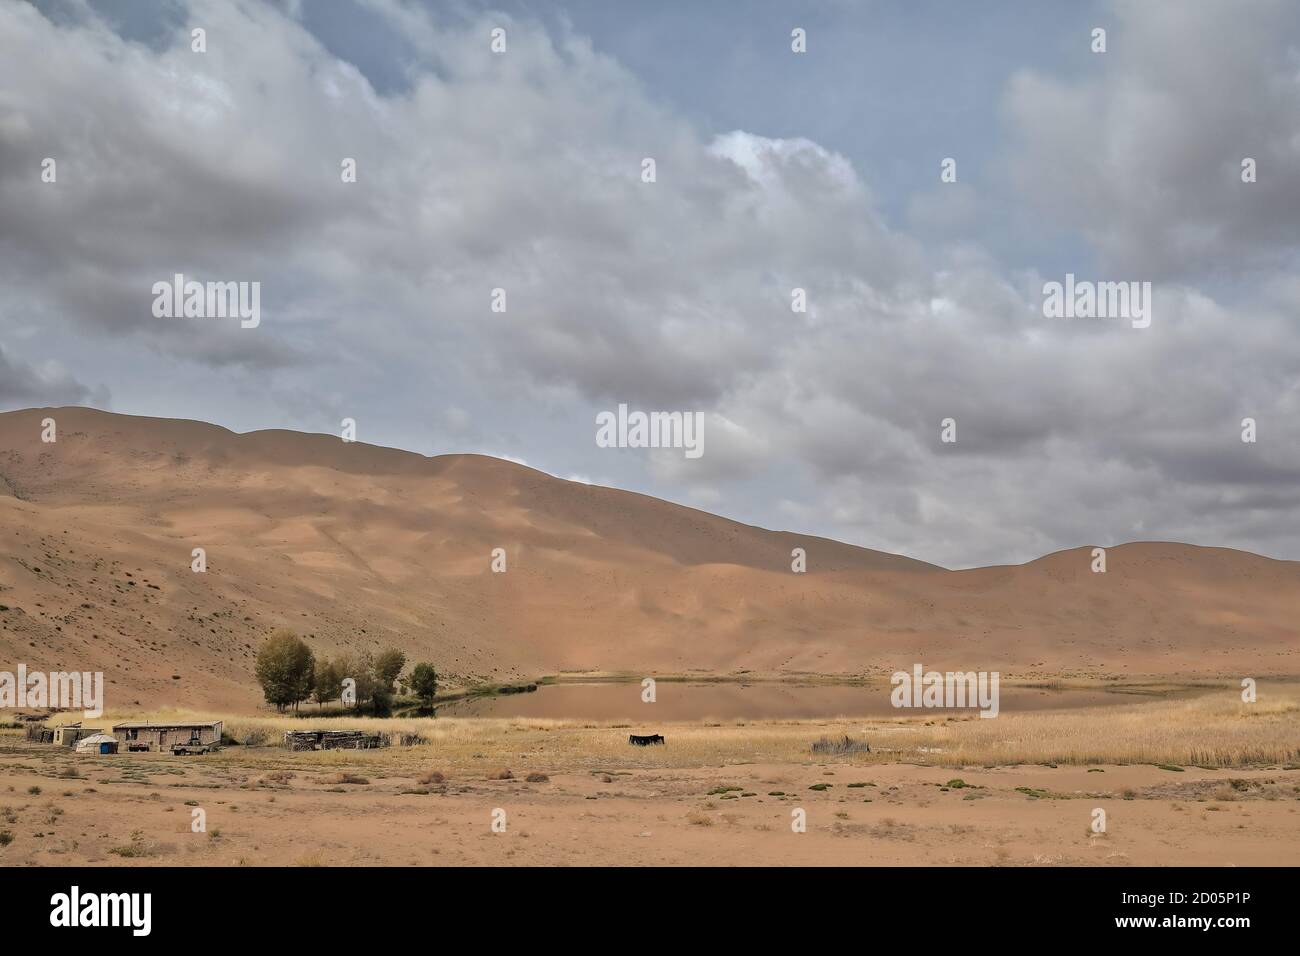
[23, 385]
[1142, 152]
[522, 172]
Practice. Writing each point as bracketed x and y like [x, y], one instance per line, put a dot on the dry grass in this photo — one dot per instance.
[352, 778]
[1213, 730]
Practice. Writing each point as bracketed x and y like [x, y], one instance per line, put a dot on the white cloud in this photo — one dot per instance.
[522, 172]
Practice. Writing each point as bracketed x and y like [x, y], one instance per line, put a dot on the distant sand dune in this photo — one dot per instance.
[356, 546]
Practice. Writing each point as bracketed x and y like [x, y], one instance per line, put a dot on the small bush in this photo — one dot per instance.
[536, 777]
[347, 778]
[6, 837]
[842, 745]
[433, 776]
[136, 848]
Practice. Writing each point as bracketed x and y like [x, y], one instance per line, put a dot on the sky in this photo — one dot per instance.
[522, 169]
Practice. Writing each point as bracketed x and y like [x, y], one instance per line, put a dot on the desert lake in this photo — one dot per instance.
[734, 700]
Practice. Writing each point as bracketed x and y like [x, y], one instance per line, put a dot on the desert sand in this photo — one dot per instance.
[356, 547]
[694, 801]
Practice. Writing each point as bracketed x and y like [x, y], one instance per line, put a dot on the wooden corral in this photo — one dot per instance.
[331, 740]
[40, 734]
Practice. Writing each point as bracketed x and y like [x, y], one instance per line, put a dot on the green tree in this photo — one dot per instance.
[286, 669]
[329, 682]
[363, 672]
[424, 682]
[387, 666]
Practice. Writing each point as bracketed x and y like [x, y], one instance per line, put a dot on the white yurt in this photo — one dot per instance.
[97, 744]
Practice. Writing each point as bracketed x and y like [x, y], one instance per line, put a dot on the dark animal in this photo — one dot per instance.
[645, 741]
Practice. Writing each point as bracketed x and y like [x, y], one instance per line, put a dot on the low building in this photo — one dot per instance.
[143, 735]
[63, 735]
[68, 735]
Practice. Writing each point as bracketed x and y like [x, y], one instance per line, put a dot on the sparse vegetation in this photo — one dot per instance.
[840, 745]
[348, 778]
[908, 752]
[136, 848]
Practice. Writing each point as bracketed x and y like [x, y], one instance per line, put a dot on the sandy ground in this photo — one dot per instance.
[138, 810]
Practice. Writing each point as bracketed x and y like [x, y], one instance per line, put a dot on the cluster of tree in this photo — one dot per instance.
[289, 674]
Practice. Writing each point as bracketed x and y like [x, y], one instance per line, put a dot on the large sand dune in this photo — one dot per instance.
[357, 547]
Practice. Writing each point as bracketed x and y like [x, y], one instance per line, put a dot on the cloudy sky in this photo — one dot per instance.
[774, 170]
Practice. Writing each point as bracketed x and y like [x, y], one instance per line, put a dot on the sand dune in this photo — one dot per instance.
[357, 547]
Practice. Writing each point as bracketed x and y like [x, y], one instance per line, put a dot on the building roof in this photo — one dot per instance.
[149, 725]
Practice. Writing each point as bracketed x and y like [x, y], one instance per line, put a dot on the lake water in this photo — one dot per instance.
[729, 701]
